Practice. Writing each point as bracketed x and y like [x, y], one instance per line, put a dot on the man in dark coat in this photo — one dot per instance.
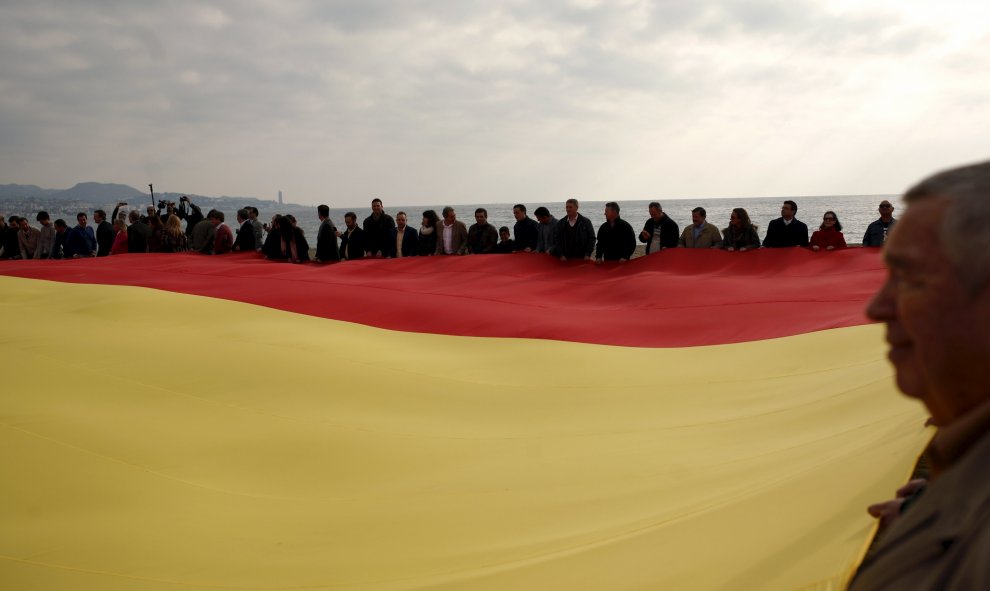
[137, 233]
[377, 231]
[660, 231]
[616, 238]
[11, 246]
[526, 230]
[60, 248]
[404, 241]
[326, 237]
[573, 236]
[244, 242]
[482, 236]
[352, 239]
[104, 233]
[786, 230]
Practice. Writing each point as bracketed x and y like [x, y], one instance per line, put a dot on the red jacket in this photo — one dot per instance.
[119, 243]
[224, 240]
[828, 237]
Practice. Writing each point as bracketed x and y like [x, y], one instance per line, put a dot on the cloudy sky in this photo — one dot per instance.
[442, 101]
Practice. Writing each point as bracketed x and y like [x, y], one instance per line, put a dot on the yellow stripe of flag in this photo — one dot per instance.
[158, 441]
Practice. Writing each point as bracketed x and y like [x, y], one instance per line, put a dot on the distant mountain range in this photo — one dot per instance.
[21, 191]
[109, 193]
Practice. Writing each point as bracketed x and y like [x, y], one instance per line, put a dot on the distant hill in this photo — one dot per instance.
[111, 193]
[99, 192]
[13, 191]
[202, 199]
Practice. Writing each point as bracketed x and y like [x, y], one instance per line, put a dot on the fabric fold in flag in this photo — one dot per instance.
[696, 421]
[676, 299]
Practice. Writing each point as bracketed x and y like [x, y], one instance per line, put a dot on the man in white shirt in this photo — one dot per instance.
[453, 237]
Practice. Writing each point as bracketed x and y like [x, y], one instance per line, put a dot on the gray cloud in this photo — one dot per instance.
[430, 98]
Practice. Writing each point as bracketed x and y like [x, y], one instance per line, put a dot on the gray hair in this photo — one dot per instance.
[964, 235]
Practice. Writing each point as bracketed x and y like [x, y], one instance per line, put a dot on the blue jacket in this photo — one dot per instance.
[80, 241]
[876, 233]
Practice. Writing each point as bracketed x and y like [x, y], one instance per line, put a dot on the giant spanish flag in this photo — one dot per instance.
[690, 420]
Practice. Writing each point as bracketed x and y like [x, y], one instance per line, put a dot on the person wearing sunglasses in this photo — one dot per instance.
[876, 232]
[829, 235]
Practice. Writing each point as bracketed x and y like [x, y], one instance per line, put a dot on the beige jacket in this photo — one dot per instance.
[459, 238]
[710, 237]
[28, 242]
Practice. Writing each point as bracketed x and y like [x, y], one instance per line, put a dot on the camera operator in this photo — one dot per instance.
[190, 212]
[118, 213]
[169, 207]
[146, 219]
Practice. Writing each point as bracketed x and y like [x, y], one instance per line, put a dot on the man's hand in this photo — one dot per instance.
[889, 511]
[912, 487]
[644, 235]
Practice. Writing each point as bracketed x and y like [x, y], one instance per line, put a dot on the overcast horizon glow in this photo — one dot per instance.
[474, 102]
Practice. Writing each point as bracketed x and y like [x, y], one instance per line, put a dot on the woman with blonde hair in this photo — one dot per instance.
[119, 237]
[741, 233]
[173, 238]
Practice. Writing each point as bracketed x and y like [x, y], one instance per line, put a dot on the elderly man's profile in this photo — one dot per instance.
[936, 305]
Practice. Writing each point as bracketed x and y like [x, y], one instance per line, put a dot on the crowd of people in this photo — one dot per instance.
[572, 237]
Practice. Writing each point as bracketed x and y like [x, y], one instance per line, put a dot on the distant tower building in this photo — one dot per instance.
[280, 198]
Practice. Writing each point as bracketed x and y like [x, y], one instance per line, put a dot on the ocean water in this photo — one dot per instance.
[855, 212]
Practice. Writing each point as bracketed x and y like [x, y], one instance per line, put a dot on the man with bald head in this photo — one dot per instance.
[876, 232]
[936, 305]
